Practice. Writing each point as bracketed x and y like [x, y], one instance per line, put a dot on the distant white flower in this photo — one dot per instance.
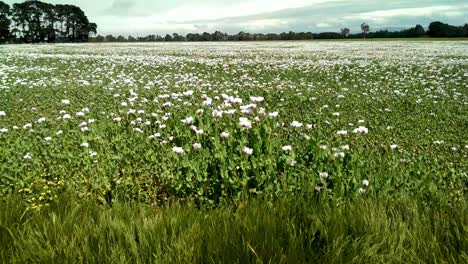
[323, 147]
[188, 93]
[286, 148]
[200, 111]
[296, 124]
[323, 175]
[92, 153]
[217, 113]
[188, 120]
[393, 146]
[41, 120]
[342, 132]
[60, 132]
[257, 99]
[28, 125]
[361, 121]
[208, 101]
[310, 126]
[362, 190]
[66, 116]
[123, 104]
[4, 130]
[345, 147]
[83, 124]
[361, 130]
[47, 138]
[339, 155]
[2, 113]
[117, 119]
[178, 150]
[80, 114]
[140, 112]
[224, 135]
[84, 129]
[244, 122]
[27, 156]
[273, 114]
[197, 147]
[439, 142]
[84, 145]
[336, 114]
[199, 132]
[65, 101]
[365, 183]
[247, 151]
[15, 127]
[138, 130]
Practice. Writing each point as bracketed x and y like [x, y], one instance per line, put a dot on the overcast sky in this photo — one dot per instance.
[143, 17]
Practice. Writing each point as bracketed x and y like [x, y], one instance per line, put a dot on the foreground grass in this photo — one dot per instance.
[287, 231]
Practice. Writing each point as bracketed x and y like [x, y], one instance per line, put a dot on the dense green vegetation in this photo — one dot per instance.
[276, 152]
[299, 230]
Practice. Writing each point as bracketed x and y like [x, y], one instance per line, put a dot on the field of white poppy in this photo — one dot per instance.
[217, 125]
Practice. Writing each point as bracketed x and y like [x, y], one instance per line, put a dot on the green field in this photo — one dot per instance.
[270, 152]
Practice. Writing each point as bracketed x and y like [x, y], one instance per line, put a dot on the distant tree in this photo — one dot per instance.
[168, 37]
[110, 38]
[99, 38]
[131, 39]
[438, 29]
[329, 35]
[419, 31]
[5, 22]
[219, 36]
[345, 32]
[121, 38]
[365, 29]
[177, 37]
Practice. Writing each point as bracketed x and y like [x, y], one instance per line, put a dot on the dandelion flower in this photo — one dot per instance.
[178, 150]
[342, 132]
[365, 183]
[361, 130]
[224, 135]
[197, 147]
[286, 148]
[247, 151]
[244, 122]
[296, 124]
[323, 175]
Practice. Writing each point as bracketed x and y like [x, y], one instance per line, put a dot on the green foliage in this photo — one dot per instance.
[298, 229]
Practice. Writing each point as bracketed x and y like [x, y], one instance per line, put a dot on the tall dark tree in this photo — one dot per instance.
[345, 32]
[365, 29]
[5, 22]
[441, 30]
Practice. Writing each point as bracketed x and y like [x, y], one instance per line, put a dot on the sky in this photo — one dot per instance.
[144, 17]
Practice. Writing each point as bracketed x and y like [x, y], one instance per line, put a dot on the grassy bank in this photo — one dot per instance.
[285, 231]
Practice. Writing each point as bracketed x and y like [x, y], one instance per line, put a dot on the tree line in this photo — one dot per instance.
[34, 21]
[435, 30]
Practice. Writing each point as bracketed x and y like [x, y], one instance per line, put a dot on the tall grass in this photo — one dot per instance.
[289, 230]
